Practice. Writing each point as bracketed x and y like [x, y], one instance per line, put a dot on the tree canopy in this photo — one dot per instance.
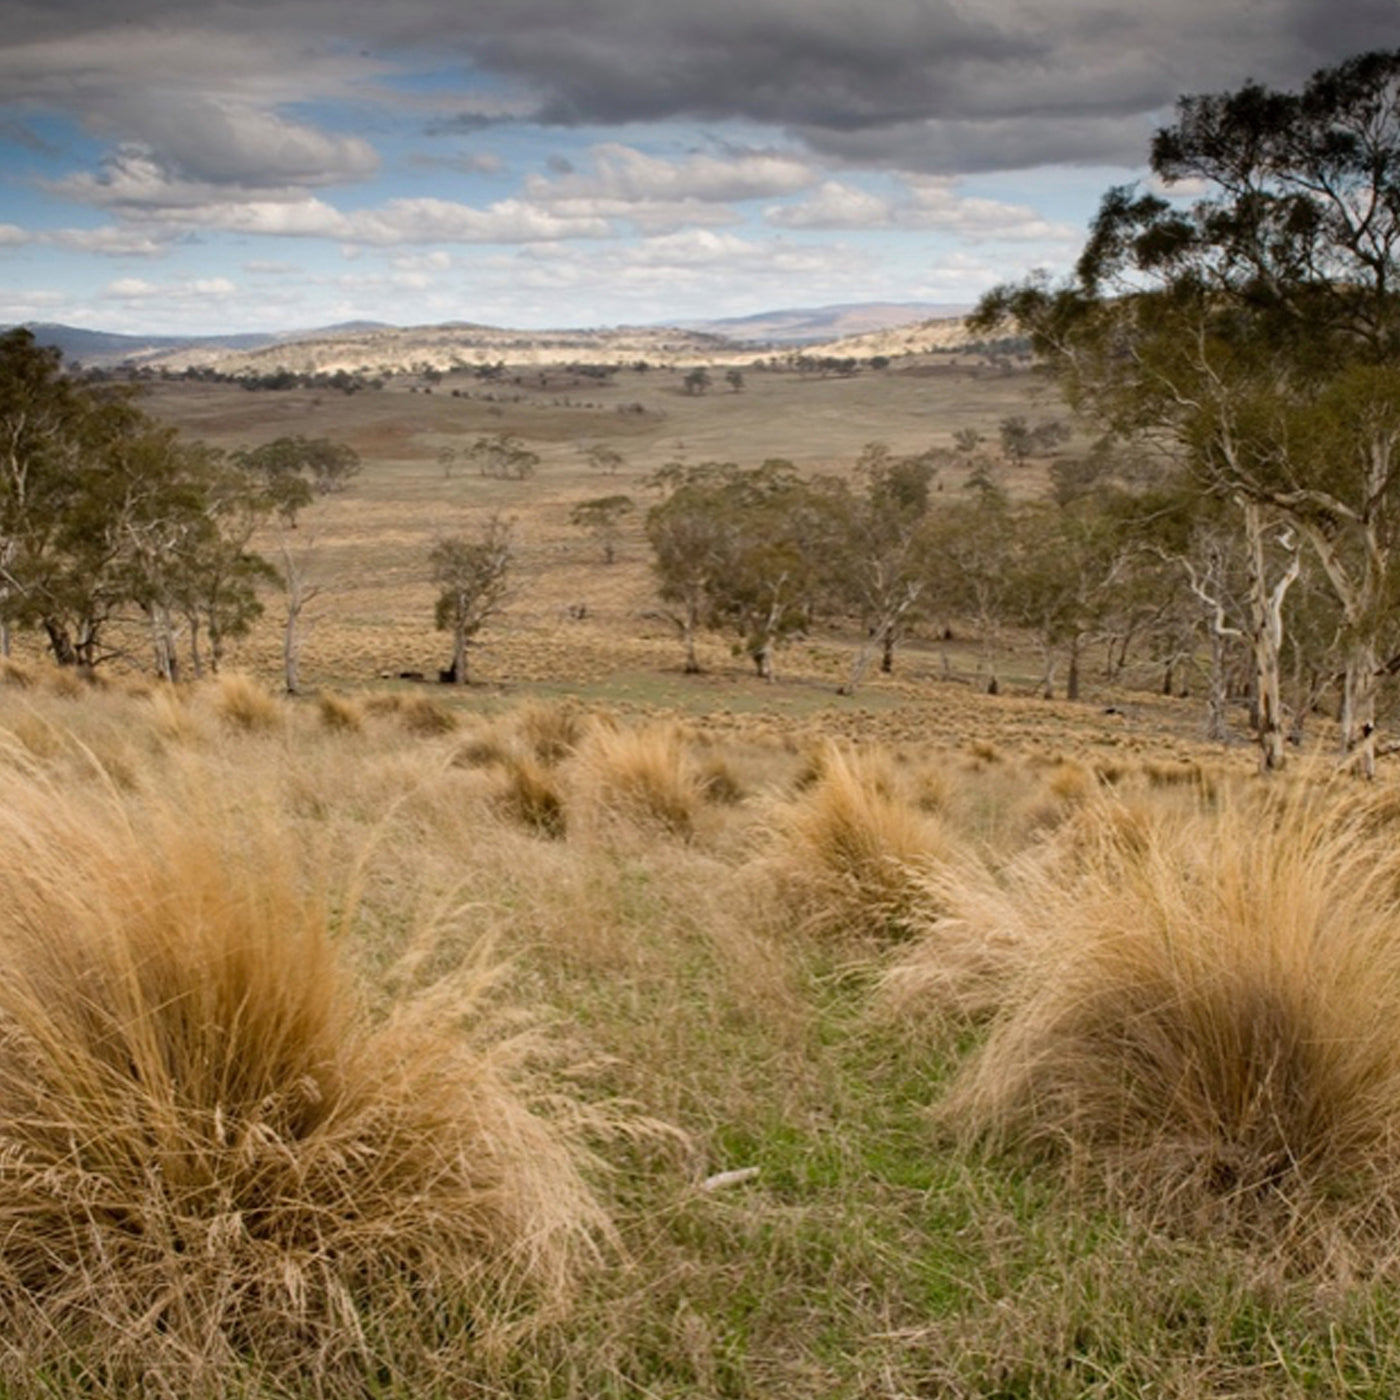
[1251, 337]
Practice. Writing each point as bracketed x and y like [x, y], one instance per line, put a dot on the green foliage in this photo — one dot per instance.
[106, 515]
[603, 517]
[738, 550]
[1230, 333]
[472, 579]
[293, 467]
[503, 456]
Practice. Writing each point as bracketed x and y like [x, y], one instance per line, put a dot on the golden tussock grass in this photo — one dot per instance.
[641, 777]
[383, 702]
[243, 703]
[486, 749]
[966, 949]
[531, 795]
[426, 717]
[211, 1156]
[1207, 1016]
[339, 714]
[552, 730]
[16, 673]
[847, 853]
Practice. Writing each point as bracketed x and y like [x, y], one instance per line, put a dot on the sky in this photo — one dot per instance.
[265, 165]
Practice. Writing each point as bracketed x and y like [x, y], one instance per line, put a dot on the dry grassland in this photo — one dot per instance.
[383, 1047]
[370, 546]
[602, 1033]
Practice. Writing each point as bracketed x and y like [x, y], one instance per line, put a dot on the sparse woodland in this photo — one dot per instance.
[717, 991]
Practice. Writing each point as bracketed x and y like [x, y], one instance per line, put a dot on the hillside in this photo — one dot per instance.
[860, 330]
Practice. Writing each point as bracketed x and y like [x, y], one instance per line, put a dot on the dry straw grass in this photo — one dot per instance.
[849, 854]
[212, 1160]
[339, 714]
[550, 731]
[242, 703]
[1207, 1016]
[426, 717]
[639, 777]
[531, 795]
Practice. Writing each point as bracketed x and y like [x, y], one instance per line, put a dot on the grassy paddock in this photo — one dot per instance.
[342, 1053]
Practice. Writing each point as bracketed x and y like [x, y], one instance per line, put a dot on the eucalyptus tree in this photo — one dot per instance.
[1254, 335]
[740, 550]
[107, 516]
[472, 575]
[879, 566]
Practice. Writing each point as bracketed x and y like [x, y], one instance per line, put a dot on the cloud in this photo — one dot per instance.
[11, 236]
[188, 289]
[834, 205]
[464, 162]
[631, 176]
[397, 222]
[656, 195]
[927, 203]
[922, 85]
[131, 289]
[113, 240]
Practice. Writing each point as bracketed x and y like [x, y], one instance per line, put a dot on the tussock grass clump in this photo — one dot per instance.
[484, 750]
[383, 702]
[719, 781]
[550, 731]
[244, 704]
[966, 951]
[644, 777]
[426, 717]
[172, 716]
[1208, 1019]
[531, 796]
[15, 673]
[67, 682]
[212, 1159]
[339, 714]
[848, 853]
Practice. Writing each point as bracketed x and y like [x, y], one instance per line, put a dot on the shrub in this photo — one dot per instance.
[212, 1159]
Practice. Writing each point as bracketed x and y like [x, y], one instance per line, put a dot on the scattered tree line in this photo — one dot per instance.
[1248, 343]
[109, 519]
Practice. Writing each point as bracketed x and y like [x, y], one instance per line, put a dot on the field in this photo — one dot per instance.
[599, 1031]
[370, 546]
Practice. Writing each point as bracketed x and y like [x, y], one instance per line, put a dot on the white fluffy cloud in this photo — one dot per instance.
[925, 203]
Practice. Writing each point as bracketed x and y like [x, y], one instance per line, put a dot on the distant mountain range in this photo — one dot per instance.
[108, 348]
[818, 324]
[857, 328]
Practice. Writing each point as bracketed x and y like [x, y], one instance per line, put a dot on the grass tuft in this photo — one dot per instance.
[339, 714]
[532, 797]
[242, 703]
[643, 777]
[1208, 1020]
[848, 852]
[212, 1158]
[426, 717]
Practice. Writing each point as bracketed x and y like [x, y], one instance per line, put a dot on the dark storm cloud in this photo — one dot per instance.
[924, 85]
